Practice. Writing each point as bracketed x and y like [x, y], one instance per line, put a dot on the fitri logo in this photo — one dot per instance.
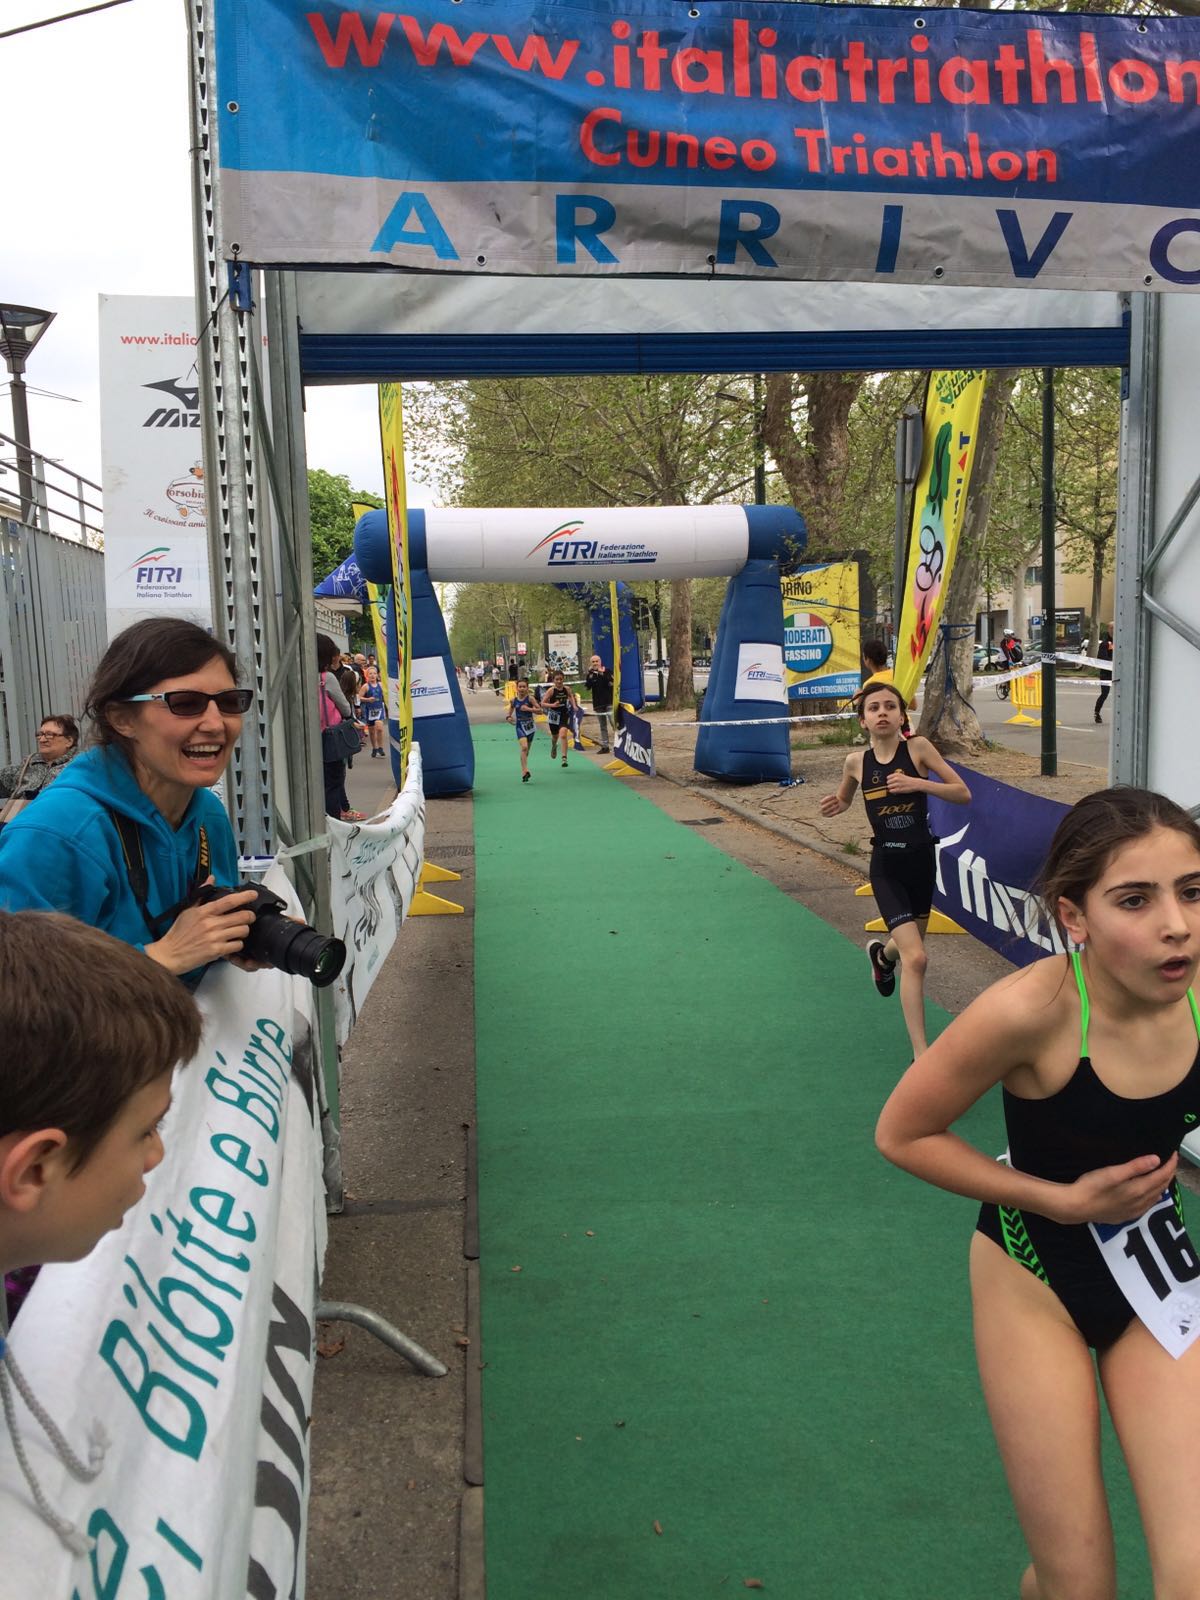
[184, 414]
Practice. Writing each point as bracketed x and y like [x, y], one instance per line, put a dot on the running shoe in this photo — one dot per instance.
[524, 777]
[882, 970]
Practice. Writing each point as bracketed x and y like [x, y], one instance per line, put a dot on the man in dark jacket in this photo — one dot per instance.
[600, 681]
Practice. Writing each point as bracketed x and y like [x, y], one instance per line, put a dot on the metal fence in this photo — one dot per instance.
[52, 630]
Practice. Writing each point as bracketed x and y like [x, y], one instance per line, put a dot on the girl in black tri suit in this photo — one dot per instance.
[1081, 1242]
[893, 774]
[558, 702]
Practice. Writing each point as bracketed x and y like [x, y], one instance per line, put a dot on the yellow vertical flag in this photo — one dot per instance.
[391, 434]
[614, 623]
[952, 404]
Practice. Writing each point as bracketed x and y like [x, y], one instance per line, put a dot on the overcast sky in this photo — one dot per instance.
[97, 200]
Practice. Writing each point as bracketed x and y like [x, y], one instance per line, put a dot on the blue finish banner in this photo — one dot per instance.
[764, 140]
[988, 859]
[633, 743]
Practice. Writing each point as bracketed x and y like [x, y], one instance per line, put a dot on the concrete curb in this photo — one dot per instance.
[784, 831]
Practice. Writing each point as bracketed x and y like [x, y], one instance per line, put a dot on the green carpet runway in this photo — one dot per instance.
[708, 1304]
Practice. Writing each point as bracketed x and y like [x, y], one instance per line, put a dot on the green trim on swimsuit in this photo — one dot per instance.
[1085, 1008]
[1017, 1241]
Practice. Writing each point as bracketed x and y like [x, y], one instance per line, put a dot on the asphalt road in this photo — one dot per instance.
[1079, 737]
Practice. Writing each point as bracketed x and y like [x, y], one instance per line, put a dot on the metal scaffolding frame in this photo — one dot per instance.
[1158, 553]
[260, 554]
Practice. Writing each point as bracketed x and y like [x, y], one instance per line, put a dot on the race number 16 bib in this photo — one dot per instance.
[1157, 1270]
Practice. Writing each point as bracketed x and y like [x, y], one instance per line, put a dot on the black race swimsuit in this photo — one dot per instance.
[1082, 1127]
[902, 853]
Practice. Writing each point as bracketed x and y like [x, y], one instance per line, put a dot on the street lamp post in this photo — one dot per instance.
[20, 329]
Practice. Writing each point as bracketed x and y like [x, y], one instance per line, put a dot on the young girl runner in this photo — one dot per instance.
[558, 702]
[371, 700]
[894, 775]
[1080, 1241]
[521, 709]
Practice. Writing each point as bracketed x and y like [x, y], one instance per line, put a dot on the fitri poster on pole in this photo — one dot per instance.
[155, 538]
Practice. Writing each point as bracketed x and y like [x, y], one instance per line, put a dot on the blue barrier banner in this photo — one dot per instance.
[633, 743]
[855, 143]
[987, 861]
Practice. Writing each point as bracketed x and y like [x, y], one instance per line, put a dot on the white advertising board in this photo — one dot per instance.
[585, 544]
[155, 540]
[760, 673]
[431, 695]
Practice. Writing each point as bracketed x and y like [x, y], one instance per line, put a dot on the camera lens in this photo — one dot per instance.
[293, 946]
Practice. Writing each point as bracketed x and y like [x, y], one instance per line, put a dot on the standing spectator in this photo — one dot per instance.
[57, 744]
[512, 669]
[599, 681]
[874, 661]
[1105, 653]
[333, 707]
[351, 686]
[496, 677]
[126, 835]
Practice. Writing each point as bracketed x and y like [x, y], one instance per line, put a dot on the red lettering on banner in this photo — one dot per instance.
[1177, 71]
[427, 47]
[350, 31]
[535, 52]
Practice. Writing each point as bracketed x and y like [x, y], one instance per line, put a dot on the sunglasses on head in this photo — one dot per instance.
[194, 702]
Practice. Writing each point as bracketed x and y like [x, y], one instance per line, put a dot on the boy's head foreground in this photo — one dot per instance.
[92, 1030]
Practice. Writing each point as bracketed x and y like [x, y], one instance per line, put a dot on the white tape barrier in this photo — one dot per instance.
[374, 869]
[187, 1336]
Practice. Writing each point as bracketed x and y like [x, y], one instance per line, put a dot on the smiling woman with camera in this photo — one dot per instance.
[129, 833]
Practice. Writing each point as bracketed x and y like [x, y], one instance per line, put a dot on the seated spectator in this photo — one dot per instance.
[57, 743]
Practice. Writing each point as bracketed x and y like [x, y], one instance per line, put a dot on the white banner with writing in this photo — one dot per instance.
[187, 1336]
[155, 540]
[374, 870]
[431, 695]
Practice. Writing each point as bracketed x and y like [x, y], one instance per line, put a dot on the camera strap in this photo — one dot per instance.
[130, 836]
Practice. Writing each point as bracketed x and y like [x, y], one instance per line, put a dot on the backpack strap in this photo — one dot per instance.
[130, 836]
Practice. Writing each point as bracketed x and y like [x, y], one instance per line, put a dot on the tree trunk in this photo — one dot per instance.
[680, 694]
[947, 716]
[814, 463]
[1019, 620]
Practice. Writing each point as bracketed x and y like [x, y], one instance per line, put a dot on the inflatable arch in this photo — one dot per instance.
[581, 547]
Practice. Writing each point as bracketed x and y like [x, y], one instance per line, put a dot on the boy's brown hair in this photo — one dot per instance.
[80, 1039]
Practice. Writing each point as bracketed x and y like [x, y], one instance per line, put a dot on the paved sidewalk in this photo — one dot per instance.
[392, 1516]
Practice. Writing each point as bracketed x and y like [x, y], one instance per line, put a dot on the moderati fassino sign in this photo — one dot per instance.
[773, 140]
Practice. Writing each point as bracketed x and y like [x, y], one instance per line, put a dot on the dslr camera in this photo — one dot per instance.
[277, 940]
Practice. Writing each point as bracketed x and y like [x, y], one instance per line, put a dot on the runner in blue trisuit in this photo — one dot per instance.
[522, 709]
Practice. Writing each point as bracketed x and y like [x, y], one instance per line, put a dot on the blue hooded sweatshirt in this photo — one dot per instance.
[63, 852]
